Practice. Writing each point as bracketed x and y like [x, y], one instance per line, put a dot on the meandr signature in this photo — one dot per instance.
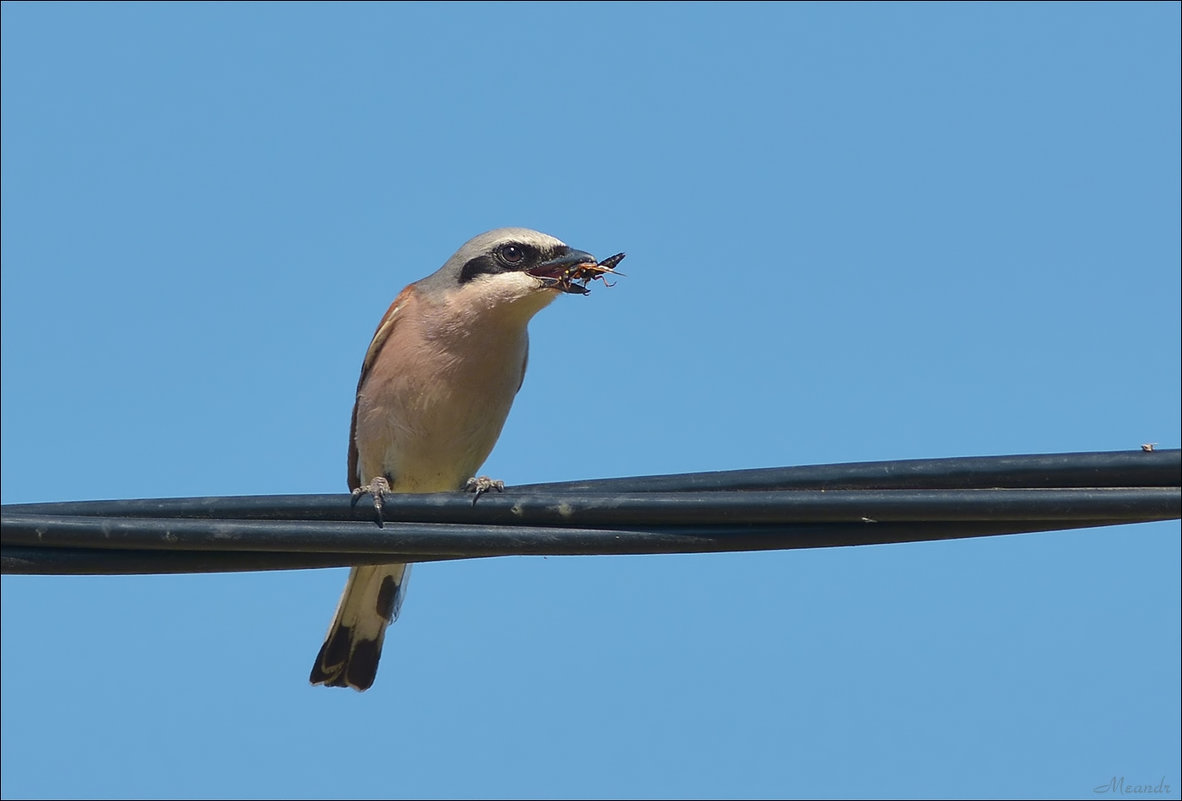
[1118, 786]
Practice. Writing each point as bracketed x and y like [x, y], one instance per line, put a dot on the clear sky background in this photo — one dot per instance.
[854, 232]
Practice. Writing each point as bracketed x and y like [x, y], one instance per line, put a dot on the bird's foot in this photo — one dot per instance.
[482, 485]
[378, 489]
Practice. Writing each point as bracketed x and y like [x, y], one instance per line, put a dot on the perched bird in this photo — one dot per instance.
[436, 386]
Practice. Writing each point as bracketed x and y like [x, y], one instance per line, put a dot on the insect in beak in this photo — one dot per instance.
[588, 272]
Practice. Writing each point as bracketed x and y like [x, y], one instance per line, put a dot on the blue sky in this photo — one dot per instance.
[855, 232]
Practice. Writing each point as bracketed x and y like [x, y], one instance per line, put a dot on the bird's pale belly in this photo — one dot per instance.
[454, 429]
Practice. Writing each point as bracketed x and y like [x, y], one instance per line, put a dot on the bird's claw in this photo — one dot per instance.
[482, 485]
[378, 489]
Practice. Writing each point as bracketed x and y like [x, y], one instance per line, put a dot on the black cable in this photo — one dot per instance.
[1113, 469]
[605, 509]
[1097, 469]
[865, 503]
[17, 559]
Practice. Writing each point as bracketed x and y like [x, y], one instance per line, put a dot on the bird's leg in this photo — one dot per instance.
[378, 489]
[482, 485]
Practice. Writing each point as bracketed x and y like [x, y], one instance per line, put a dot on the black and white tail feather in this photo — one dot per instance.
[370, 603]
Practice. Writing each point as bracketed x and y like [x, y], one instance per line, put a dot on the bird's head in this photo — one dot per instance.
[510, 270]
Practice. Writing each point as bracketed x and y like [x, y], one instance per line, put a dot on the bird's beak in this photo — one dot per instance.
[555, 273]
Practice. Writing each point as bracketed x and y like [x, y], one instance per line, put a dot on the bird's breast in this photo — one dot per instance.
[432, 408]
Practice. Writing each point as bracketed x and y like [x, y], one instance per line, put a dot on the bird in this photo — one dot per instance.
[436, 385]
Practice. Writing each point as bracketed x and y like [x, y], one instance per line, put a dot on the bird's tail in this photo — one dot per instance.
[371, 600]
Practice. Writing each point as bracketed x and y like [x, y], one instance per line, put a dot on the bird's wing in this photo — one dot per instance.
[389, 320]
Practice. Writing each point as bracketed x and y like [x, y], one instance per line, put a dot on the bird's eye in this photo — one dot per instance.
[511, 254]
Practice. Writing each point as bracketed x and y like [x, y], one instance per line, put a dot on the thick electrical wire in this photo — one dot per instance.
[761, 509]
